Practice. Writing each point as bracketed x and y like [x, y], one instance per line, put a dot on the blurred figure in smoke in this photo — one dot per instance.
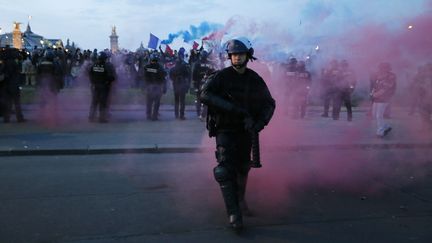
[290, 79]
[200, 70]
[50, 82]
[29, 70]
[102, 74]
[329, 78]
[11, 84]
[344, 88]
[2, 78]
[239, 104]
[415, 89]
[180, 76]
[424, 92]
[383, 89]
[130, 71]
[300, 87]
[155, 86]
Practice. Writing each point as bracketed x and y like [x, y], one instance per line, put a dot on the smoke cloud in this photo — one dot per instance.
[194, 32]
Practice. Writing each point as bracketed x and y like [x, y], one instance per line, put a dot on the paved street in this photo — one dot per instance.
[139, 181]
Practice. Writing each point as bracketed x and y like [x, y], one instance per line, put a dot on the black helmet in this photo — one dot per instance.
[203, 55]
[240, 45]
[103, 56]
[293, 60]
[154, 57]
[49, 55]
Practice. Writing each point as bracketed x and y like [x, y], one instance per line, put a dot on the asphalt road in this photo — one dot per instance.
[351, 195]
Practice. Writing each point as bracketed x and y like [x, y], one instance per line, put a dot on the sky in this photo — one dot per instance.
[88, 22]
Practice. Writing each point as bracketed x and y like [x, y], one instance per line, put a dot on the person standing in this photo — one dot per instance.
[200, 70]
[239, 105]
[180, 76]
[329, 78]
[11, 85]
[155, 86]
[345, 87]
[383, 89]
[49, 80]
[300, 90]
[102, 75]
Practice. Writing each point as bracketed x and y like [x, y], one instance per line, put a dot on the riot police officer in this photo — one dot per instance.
[239, 104]
[329, 78]
[424, 93]
[180, 76]
[289, 80]
[49, 81]
[200, 70]
[155, 86]
[102, 74]
[11, 85]
[300, 87]
[344, 88]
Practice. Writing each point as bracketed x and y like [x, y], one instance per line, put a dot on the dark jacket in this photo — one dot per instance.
[231, 97]
[102, 74]
[180, 76]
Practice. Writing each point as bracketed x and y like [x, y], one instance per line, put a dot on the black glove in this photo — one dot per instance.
[259, 126]
[252, 126]
[249, 124]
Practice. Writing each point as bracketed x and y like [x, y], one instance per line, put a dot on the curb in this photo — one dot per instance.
[99, 150]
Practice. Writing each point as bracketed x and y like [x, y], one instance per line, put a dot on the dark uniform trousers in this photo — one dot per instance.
[154, 95]
[100, 95]
[342, 97]
[233, 157]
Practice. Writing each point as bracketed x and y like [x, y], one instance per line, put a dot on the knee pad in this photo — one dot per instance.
[221, 174]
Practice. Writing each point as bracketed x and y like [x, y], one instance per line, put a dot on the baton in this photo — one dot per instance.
[256, 160]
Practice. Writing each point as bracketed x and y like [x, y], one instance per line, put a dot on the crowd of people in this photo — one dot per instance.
[154, 71]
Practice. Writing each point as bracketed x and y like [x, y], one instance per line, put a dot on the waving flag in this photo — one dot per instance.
[195, 45]
[169, 50]
[153, 42]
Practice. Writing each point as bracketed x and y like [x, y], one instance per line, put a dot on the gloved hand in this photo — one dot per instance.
[249, 124]
[259, 126]
[252, 126]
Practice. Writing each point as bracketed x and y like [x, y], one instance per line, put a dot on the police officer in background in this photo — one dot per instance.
[200, 70]
[180, 76]
[300, 90]
[11, 84]
[424, 93]
[49, 80]
[344, 88]
[239, 104]
[102, 74]
[2, 79]
[290, 81]
[329, 78]
[155, 86]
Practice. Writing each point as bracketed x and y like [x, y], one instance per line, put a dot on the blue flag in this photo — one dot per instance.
[153, 42]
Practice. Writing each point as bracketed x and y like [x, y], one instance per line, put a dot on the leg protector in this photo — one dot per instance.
[226, 180]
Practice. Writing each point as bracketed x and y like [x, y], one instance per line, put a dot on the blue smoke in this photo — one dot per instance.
[194, 32]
